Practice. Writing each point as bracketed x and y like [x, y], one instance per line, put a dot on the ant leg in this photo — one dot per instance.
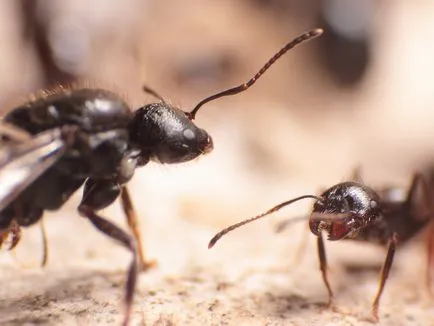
[417, 177]
[15, 231]
[430, 260]
[127, 241]
[384, 274]
[44, 244]
[356, 175]
[11, 235]
[130, 213]
[323, 266]
[418, 199]
[150, 91]
[418, 195]
[99, 194]
[4, 233]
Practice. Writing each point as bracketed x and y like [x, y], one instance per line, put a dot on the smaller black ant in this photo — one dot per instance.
[351, 210]
[108, 143]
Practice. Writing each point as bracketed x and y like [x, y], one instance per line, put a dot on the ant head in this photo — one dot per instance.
[344, 210]
[166, 134]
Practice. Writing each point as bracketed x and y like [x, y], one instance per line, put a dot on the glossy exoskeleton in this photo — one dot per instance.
[109, 143]
[352, 210]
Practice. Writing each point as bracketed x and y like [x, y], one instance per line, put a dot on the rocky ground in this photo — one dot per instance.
[295, 132]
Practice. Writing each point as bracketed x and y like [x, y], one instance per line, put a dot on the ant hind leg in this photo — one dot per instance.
[10, 236]
[430, 261]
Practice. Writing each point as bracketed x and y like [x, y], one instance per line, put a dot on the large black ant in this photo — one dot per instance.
[109, 143]
[351, 210]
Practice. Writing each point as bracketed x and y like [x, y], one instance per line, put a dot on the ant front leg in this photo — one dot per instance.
[384, 274]
[97, 195]
[323, 266]
[101, 194]
[130, 213]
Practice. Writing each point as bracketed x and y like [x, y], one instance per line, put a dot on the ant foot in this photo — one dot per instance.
[328, 306]
[374, 317]
[147, 265]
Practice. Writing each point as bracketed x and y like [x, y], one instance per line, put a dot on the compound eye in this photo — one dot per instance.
[189, 134]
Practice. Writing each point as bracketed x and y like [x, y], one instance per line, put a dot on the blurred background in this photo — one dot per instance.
[359, 96]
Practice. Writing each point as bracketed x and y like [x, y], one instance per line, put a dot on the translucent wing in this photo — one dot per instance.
[24, 157]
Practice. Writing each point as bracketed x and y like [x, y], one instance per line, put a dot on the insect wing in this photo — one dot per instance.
[21, 163]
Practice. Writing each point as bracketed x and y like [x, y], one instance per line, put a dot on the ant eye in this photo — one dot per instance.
[189, 134]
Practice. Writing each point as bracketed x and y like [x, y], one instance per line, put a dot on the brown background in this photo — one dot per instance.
[301, 128]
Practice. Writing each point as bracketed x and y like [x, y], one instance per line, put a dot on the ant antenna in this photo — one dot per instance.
[241, 88]
[150, 91]
[272, 210]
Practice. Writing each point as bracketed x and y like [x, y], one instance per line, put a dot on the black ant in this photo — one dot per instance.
[109, 143]
[351, 210]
